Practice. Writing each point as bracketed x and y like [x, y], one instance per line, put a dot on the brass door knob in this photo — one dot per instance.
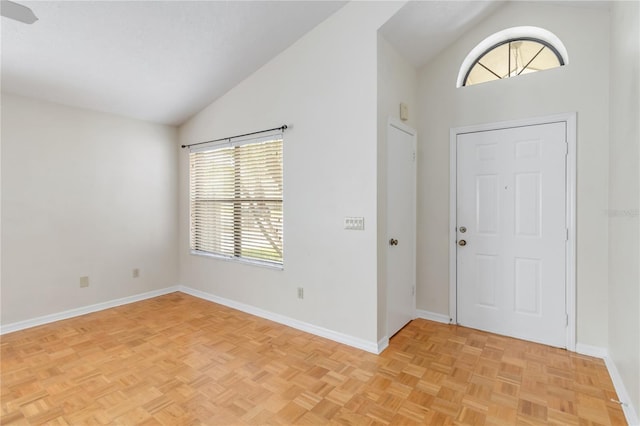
[462, 243]
[393, 242]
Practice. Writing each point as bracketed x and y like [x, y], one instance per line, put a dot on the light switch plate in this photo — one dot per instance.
[404, 112]
[354, 223]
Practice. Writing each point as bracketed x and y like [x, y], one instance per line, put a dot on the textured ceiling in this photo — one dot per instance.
[163, 61]
[160, 61]
[421, 29]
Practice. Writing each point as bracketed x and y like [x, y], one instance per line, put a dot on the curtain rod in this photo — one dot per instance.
[281, 128]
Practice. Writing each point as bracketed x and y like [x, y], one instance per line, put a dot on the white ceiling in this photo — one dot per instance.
[163, 61]
[160, 61]
[421, 29]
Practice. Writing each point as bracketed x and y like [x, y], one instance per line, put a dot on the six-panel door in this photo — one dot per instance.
[511, 276]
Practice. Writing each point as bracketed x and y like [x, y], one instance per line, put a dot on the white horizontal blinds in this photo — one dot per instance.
[212, 194]
[236, 200]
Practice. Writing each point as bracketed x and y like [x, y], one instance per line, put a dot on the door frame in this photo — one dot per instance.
[394, 122]
[570, 266]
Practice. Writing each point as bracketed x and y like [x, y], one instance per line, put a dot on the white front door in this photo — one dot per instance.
[401, 226]
[512, 232]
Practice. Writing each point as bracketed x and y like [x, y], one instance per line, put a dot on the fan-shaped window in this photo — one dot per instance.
[512, 52]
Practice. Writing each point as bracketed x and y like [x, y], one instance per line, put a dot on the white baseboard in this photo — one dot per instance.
[594, 351]
[383, 344]
[46, 319]
[432, 316]
[373, 347]
[623, 396]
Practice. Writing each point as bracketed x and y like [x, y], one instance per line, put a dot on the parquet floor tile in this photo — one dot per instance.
[179, 360]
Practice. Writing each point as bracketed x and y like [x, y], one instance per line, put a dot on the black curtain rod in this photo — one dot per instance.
[281, 128]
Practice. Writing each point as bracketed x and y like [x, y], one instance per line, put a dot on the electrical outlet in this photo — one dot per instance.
[136, 273]
[84, 282]
[300, 293]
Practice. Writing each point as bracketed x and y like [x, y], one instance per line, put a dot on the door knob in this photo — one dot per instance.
[462, 243]
[393, 242]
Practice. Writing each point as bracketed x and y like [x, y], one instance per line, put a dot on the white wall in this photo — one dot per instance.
[624, 197]
[83, 193]
[325, 86]
[397, 82]
[582, 86]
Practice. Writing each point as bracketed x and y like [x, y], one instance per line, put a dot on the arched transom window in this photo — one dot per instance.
[510, 53]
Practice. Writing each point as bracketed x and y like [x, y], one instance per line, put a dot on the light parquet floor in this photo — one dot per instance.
[176, 359]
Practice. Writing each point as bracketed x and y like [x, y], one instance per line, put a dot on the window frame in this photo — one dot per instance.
[236, 256]
[509, 41]
[513, 33]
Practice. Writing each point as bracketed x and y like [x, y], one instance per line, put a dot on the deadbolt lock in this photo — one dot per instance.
[463, 229]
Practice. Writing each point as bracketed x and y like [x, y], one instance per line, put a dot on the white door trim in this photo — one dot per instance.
[392, 121]
[570, 119]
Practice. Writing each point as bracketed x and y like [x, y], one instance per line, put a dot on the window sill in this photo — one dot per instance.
[268, 265]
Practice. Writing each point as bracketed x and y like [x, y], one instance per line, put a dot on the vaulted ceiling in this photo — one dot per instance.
[160, 61]
[163, 61]
[421, 29]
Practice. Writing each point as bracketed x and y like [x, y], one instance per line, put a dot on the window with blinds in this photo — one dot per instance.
[236, 200]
